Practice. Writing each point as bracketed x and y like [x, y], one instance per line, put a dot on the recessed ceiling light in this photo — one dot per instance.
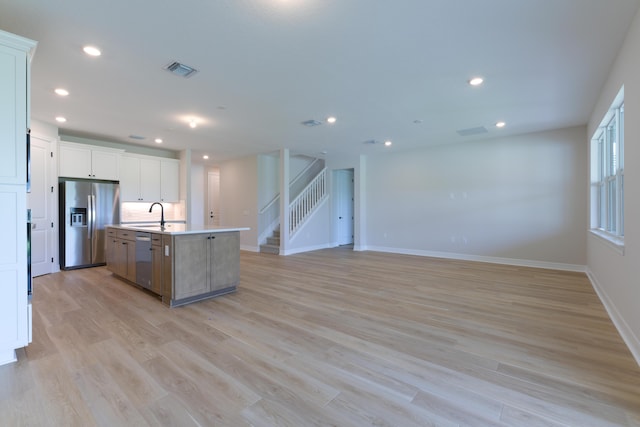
[193, 124]
[60, 119]
[476, 81]
[205, 157]
[500, 124]
[331, 119]
[61, 92]
[388, 143]
[158, 140]
[92, 51]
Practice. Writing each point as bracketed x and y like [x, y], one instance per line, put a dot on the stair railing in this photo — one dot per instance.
[307, 200]
[269, 215]
[303, 179]
[269, 218]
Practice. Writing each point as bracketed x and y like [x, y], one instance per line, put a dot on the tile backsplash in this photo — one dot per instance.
[139, 212]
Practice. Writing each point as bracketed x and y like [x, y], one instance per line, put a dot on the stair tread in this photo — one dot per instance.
[270, 249]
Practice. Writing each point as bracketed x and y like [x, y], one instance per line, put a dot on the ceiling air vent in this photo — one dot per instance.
[472, 131]
[311, 123]
[180, 69]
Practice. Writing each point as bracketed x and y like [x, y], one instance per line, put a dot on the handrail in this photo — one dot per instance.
[300, 175]
[309, 166]
[268, 205]
[307, 200]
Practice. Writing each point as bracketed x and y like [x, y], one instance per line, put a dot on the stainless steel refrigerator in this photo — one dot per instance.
[85, 208]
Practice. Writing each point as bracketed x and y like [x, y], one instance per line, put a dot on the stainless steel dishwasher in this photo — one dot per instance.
[143, 259]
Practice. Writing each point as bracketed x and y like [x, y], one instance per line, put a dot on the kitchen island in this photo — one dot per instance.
[179, 263]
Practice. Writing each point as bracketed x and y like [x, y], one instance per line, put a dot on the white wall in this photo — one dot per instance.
[198, 192]
[185, 183]
[520, 200]
[269, 178]
[615, 276]
[298, 163]
[239, 198]
[269, 174]
[315, 233]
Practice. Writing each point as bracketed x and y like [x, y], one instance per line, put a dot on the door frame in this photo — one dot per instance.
[339, 192]
[51, 198]
[213, 198]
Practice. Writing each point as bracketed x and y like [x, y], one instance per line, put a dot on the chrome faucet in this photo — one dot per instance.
[161, 212]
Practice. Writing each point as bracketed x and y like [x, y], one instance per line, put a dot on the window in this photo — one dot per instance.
[607, 175]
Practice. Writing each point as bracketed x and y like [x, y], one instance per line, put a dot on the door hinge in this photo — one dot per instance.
[51, 225]
[51, 152]
[52, 188]
[51, 259]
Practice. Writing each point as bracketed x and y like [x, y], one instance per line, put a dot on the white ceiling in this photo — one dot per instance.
[265, 66]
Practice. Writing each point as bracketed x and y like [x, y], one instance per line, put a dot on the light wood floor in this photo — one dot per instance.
[331, 337]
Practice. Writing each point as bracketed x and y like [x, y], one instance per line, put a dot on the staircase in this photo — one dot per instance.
[273, 243]
[300, 209]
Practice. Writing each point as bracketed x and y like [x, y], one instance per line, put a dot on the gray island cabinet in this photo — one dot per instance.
[181, 264]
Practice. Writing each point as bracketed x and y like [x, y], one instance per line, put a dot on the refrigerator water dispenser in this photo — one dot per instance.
[78, 217]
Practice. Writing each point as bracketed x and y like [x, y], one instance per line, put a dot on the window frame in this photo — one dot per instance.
[607, 176]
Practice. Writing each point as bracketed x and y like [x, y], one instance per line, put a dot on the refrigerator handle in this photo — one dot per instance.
[90, 216]
[93, 215]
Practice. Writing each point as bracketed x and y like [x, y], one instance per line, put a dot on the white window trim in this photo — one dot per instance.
[614, 241]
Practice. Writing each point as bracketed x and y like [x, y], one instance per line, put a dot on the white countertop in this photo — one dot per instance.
[177, 228]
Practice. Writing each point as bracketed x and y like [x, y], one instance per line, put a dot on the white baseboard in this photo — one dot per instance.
[630, 339]
[8, 356]
[306, 249]
[479, 258]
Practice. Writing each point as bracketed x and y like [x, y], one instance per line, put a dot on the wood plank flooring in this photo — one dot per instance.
[326, 338]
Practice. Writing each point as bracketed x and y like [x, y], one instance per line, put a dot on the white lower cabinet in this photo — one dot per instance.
[14, 324]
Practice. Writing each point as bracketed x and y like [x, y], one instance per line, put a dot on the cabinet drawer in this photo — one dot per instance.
[156, 239]
[126, 234]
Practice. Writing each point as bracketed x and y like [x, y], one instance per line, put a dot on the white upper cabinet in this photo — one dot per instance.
[170, 180]
[140, 179]
[130, 179]
[149, 179]
[90, 162]
[13, 108]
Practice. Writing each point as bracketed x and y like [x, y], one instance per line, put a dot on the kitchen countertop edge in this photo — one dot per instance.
[178, 229]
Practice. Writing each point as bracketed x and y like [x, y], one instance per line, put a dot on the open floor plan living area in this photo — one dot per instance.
[298, 213]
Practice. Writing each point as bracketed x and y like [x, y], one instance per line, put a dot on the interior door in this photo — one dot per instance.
[213, 198]
[40, 204]
[344, 206]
